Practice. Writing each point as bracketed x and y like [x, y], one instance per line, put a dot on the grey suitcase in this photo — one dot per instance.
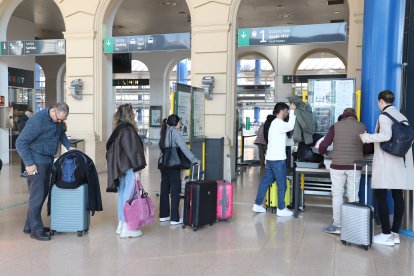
[357, 218]
[69, 210]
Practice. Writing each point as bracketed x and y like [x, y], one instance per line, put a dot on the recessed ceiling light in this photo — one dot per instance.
[35, 13]
[168, 3]
[336, 12]
[279, 6]
[286, 16]
[182, 12]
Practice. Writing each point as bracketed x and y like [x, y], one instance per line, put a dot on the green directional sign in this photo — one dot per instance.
[109, 43]
[40, 47]
[291, 35]
[243, 37]
[147, 43]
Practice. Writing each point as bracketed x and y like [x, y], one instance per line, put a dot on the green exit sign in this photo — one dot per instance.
[243, 37]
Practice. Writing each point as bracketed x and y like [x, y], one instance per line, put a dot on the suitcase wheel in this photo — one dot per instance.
[52, 232]
[86, 230]
[217, 220]
[183, 226]
[344, 243]
[195, 228]
[229, 219]
[80, 233]
[365, 247]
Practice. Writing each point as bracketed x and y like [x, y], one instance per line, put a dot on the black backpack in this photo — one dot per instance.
[1, 165]
[71, 170]
[401, 139]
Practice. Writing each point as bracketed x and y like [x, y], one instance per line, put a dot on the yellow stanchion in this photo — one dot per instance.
[305, 96]
[203, 155]
[302, 181]
[172, 95]
[358, 104]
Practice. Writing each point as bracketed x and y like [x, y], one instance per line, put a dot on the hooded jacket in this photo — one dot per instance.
[124, 150]
[305, 123]
[266, 127]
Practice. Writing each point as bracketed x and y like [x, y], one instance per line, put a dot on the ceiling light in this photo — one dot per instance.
[168, 3]
[286, 16]
[336, 12]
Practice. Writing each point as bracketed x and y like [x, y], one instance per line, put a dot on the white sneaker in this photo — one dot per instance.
[396, 237]
[384, 239]
[258, 209]
[130, 234]
[164, 219]
[284, 213]
[177, 222]
[119, 228]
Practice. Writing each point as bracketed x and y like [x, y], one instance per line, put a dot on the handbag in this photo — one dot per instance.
[174, 158]
[138, 210]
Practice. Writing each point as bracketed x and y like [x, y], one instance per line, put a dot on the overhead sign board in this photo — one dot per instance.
[130, 82]
[43, 47]
[306, 78]
[287, 35]
[147, 43]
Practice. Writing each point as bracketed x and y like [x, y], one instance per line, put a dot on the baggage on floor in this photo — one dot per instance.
[200, 202]
[69, 210]
[357, 218]
[272, 197]
[224, 200]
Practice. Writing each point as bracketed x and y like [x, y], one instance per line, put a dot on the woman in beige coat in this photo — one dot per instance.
[389, 172]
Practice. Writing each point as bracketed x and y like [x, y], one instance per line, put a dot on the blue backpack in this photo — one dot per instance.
[71, 171]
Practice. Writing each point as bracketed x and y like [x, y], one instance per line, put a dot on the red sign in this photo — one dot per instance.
[2, 101]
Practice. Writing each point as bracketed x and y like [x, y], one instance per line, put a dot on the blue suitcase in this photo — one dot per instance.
[69, 210]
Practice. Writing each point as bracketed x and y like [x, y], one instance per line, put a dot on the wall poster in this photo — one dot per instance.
[198, 112]
[155, 116]
[183, 109]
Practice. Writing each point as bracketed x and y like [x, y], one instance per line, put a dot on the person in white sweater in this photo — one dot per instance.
[276, 159]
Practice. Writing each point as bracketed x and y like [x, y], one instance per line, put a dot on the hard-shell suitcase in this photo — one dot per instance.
[357, 218]
[224, 200]
[272, 197]
[69, 210]
[200, 202]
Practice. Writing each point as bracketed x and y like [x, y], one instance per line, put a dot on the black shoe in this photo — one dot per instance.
[40, 236]
[27, 230]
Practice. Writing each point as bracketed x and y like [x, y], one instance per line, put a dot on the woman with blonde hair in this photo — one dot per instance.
[125, 156]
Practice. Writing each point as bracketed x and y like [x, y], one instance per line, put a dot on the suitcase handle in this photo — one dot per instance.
[366, 164]
[198, 172]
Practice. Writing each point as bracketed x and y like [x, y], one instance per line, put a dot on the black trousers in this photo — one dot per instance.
[170, 185]
[22, 166]
[38, 191]
[384, 215]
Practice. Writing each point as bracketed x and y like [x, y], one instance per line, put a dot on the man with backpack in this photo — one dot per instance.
[389, 171]
[37, 145]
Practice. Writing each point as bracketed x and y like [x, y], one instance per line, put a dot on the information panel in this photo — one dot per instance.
[183, 109]
[33, 47]
[329, 98]
[287, 35]
[198, 113]
[147, 43]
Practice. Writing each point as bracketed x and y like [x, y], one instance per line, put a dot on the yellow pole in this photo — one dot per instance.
[305, 96]
[172, 95]
[358, 104]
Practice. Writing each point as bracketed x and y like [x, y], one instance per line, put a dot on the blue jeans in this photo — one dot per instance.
[275, 170]
[126, 185]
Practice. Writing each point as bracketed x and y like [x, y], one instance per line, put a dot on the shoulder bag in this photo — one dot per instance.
[174, 158]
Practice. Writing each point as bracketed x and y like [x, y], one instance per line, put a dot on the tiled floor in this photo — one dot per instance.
[249, 245]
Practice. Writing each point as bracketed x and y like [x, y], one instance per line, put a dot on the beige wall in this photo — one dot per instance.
[213, 53]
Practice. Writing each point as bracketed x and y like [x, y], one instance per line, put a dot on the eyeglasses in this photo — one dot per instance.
[59, 119]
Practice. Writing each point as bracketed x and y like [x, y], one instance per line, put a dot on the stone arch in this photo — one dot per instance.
[319, 50]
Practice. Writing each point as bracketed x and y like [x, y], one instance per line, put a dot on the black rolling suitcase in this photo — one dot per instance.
[200, 202]
[357, 218]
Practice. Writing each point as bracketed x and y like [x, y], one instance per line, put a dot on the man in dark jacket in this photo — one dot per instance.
[37, 146]
[347, 147]
[21, 123]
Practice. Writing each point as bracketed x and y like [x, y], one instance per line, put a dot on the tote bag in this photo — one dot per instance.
[174, 158]
[139, 209]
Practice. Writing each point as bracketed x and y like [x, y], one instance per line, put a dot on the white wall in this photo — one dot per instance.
[17, 29]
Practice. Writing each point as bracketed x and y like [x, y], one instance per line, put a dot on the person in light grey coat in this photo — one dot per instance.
[389, 172]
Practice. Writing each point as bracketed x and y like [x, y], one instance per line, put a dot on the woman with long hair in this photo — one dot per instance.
[171, 178]
[125, 157]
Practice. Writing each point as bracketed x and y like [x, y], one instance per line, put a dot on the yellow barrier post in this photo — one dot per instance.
[358, 104]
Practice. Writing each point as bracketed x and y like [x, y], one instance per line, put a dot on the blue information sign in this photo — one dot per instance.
[146, 43]
[286, 35]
